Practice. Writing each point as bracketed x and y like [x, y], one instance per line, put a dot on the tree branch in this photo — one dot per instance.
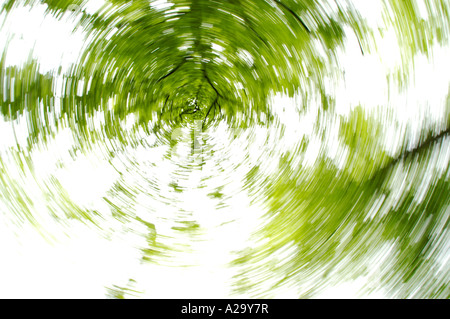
[247, 21]
[210, 83]
[172, 71]
[164, 106]
[209, 110]
[359, 42]
[430, 141]
[286, 8]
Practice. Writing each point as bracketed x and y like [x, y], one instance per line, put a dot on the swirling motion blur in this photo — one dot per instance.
[227, 148]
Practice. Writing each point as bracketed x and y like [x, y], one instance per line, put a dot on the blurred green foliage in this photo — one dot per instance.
[223, 60]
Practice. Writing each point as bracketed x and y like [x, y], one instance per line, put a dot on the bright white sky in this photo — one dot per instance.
[79, 263]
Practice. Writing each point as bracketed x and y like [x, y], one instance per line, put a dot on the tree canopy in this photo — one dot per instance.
[166, 66]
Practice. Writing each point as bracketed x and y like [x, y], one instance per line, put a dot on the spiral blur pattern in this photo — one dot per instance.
[225, 148]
